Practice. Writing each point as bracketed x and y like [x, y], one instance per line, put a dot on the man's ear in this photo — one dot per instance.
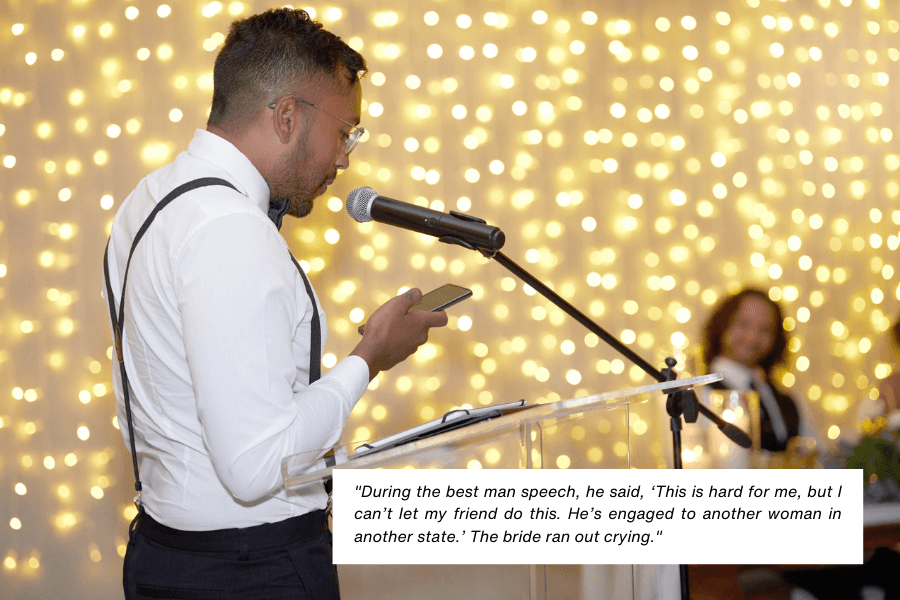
[285, 119]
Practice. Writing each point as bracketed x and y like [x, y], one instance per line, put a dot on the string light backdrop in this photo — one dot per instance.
[644, 159]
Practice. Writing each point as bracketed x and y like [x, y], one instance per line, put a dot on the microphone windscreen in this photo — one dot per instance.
[359, 203]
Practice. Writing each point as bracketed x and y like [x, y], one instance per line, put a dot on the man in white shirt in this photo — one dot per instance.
[220, 335]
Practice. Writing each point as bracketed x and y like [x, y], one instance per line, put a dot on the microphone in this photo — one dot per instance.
[364, 205]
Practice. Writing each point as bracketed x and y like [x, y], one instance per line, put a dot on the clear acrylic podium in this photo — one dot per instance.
[532, 437]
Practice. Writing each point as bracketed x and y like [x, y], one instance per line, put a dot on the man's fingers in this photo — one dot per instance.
[436, 319]
[393, 333]
[412, 297]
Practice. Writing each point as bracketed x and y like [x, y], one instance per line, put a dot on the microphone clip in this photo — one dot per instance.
[455, 241]
[465, 217]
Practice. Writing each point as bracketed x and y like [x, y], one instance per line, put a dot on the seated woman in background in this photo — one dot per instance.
[743, 340]
[889, 390]
[888, 401]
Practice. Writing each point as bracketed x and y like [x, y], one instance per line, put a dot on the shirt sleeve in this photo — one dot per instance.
[240, 308]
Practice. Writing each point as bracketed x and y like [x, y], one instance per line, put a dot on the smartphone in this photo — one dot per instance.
[442, 298]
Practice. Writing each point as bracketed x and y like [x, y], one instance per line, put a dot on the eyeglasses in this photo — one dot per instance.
[352, 138]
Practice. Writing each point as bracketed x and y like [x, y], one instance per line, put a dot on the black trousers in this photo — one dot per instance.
[290, 559]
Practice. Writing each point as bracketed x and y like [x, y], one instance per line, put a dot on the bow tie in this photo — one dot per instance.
[277, 211]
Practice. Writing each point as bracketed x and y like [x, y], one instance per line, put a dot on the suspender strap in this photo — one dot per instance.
[117, 318]
[122, 373]
[315, 354]
[315, 345]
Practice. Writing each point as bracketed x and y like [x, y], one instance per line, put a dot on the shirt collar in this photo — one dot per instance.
[222, 153]
[735, 376]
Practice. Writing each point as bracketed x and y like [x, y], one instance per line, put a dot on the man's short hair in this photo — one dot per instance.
[269, 55]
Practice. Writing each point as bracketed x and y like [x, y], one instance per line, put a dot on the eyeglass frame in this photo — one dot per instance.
[356, 132]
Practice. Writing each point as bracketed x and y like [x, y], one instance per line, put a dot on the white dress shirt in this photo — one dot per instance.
[216, 347]
[736, 376]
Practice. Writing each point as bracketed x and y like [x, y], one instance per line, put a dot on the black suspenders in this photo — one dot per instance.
[118, 318]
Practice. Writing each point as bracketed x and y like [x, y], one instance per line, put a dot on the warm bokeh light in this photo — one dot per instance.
[643, 161]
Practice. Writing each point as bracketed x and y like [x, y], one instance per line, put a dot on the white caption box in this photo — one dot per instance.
[597, 516]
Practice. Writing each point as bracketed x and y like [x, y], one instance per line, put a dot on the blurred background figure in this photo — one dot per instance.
[889, 390]
[888, 400]
[744, 340]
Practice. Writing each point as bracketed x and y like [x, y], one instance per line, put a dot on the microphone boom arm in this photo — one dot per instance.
[686, 398]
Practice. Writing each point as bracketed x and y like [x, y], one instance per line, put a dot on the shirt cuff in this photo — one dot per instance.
[353, 374]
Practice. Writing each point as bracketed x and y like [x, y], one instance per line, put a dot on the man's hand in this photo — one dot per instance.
[393, 333]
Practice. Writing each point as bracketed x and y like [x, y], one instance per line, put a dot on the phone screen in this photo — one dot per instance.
[438, 299]
[442, 298]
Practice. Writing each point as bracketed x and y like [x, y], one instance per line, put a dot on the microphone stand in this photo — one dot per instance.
[682, 403]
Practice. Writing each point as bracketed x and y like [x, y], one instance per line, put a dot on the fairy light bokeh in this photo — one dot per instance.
[643, 159]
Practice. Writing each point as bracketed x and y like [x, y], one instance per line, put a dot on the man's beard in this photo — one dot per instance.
[300, 207]
[300, 190]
